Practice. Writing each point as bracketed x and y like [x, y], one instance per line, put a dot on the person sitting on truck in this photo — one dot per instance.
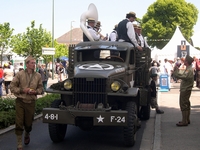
[98, 30]
[143, 42]
[154, 103]
[126, 31]
[113, 35]
[92, 31]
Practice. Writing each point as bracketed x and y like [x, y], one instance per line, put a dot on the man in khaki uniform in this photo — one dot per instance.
[187, 78]
[26, 85]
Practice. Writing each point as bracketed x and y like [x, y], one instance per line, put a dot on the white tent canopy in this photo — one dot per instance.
[170, 50]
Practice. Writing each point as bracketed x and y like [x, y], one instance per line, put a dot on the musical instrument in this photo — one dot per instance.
[90, 13]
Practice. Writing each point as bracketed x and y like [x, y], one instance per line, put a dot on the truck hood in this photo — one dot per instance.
[102, 70]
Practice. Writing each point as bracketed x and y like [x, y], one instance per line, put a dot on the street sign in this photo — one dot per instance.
[48, 51]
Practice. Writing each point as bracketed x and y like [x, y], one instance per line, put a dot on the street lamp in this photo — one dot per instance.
[52, 38]
[71, 32]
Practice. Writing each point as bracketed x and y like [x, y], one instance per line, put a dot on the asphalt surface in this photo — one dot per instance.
[162, 132]
[167, 135]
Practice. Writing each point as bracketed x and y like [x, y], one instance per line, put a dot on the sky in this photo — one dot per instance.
[67, 13]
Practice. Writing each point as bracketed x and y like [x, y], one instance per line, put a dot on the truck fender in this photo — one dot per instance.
[133, 91]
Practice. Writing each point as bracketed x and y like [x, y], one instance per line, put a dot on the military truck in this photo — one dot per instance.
[107, 85]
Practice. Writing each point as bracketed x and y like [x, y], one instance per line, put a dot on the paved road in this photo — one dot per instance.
[100, 138]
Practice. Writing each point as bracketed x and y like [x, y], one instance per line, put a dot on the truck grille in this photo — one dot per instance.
[89, 90]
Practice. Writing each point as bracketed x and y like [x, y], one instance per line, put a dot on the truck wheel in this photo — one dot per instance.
[130, 130]
[57, 131]
[145, 112]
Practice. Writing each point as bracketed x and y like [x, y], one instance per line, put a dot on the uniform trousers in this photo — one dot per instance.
[24, 116]
[184, 101]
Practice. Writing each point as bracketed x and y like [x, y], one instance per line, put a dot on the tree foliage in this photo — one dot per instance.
[31, 41]
[162, 18]
[5, 37]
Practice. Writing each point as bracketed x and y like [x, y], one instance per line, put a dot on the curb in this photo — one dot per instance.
[157, 130]
[12, 127]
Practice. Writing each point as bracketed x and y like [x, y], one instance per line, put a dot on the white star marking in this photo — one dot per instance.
[100, 119]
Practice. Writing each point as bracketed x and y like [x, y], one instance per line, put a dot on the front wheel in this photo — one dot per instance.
[131, 129]
[57, 131]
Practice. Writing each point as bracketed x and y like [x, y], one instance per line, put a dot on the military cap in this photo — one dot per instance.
[153, 75]
[189, 59]
[29, 58]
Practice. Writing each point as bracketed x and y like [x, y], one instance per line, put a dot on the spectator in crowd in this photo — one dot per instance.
[126, 31]
[44, 75]
[168, 70]
[187, 80]
[21, 66]
[26, 85]
[198, 73]
[1, 80]
[8, 77]
[154, 103]
[61, 73]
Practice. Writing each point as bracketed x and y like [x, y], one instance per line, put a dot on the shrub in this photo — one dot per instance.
[7, 108]
[7, 104]
[45, 102]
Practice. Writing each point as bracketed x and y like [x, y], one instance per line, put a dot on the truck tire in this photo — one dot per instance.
[57, 131]
[145, 112]
[131, 129]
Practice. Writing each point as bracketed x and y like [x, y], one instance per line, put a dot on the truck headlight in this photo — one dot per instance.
[68, 84]
[115, 86]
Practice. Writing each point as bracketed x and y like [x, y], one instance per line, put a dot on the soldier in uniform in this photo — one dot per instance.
[187, 78]
[26, 85]
[126, 32]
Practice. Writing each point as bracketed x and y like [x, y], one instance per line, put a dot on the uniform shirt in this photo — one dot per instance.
[23, 80]
[130, 32]
[187, 78]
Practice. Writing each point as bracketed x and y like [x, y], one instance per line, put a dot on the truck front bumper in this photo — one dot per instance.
[100, 118]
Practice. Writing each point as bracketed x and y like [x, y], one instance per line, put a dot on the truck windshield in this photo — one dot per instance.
[95, 55]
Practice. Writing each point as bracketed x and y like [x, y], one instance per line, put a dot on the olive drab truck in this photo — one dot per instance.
[107, 85]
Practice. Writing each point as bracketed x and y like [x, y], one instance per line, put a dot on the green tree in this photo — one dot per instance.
[162, 18]
[31, 41]
[5, 37]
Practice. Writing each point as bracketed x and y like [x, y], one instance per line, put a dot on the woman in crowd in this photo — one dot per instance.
[8, 77]
[1, 79]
